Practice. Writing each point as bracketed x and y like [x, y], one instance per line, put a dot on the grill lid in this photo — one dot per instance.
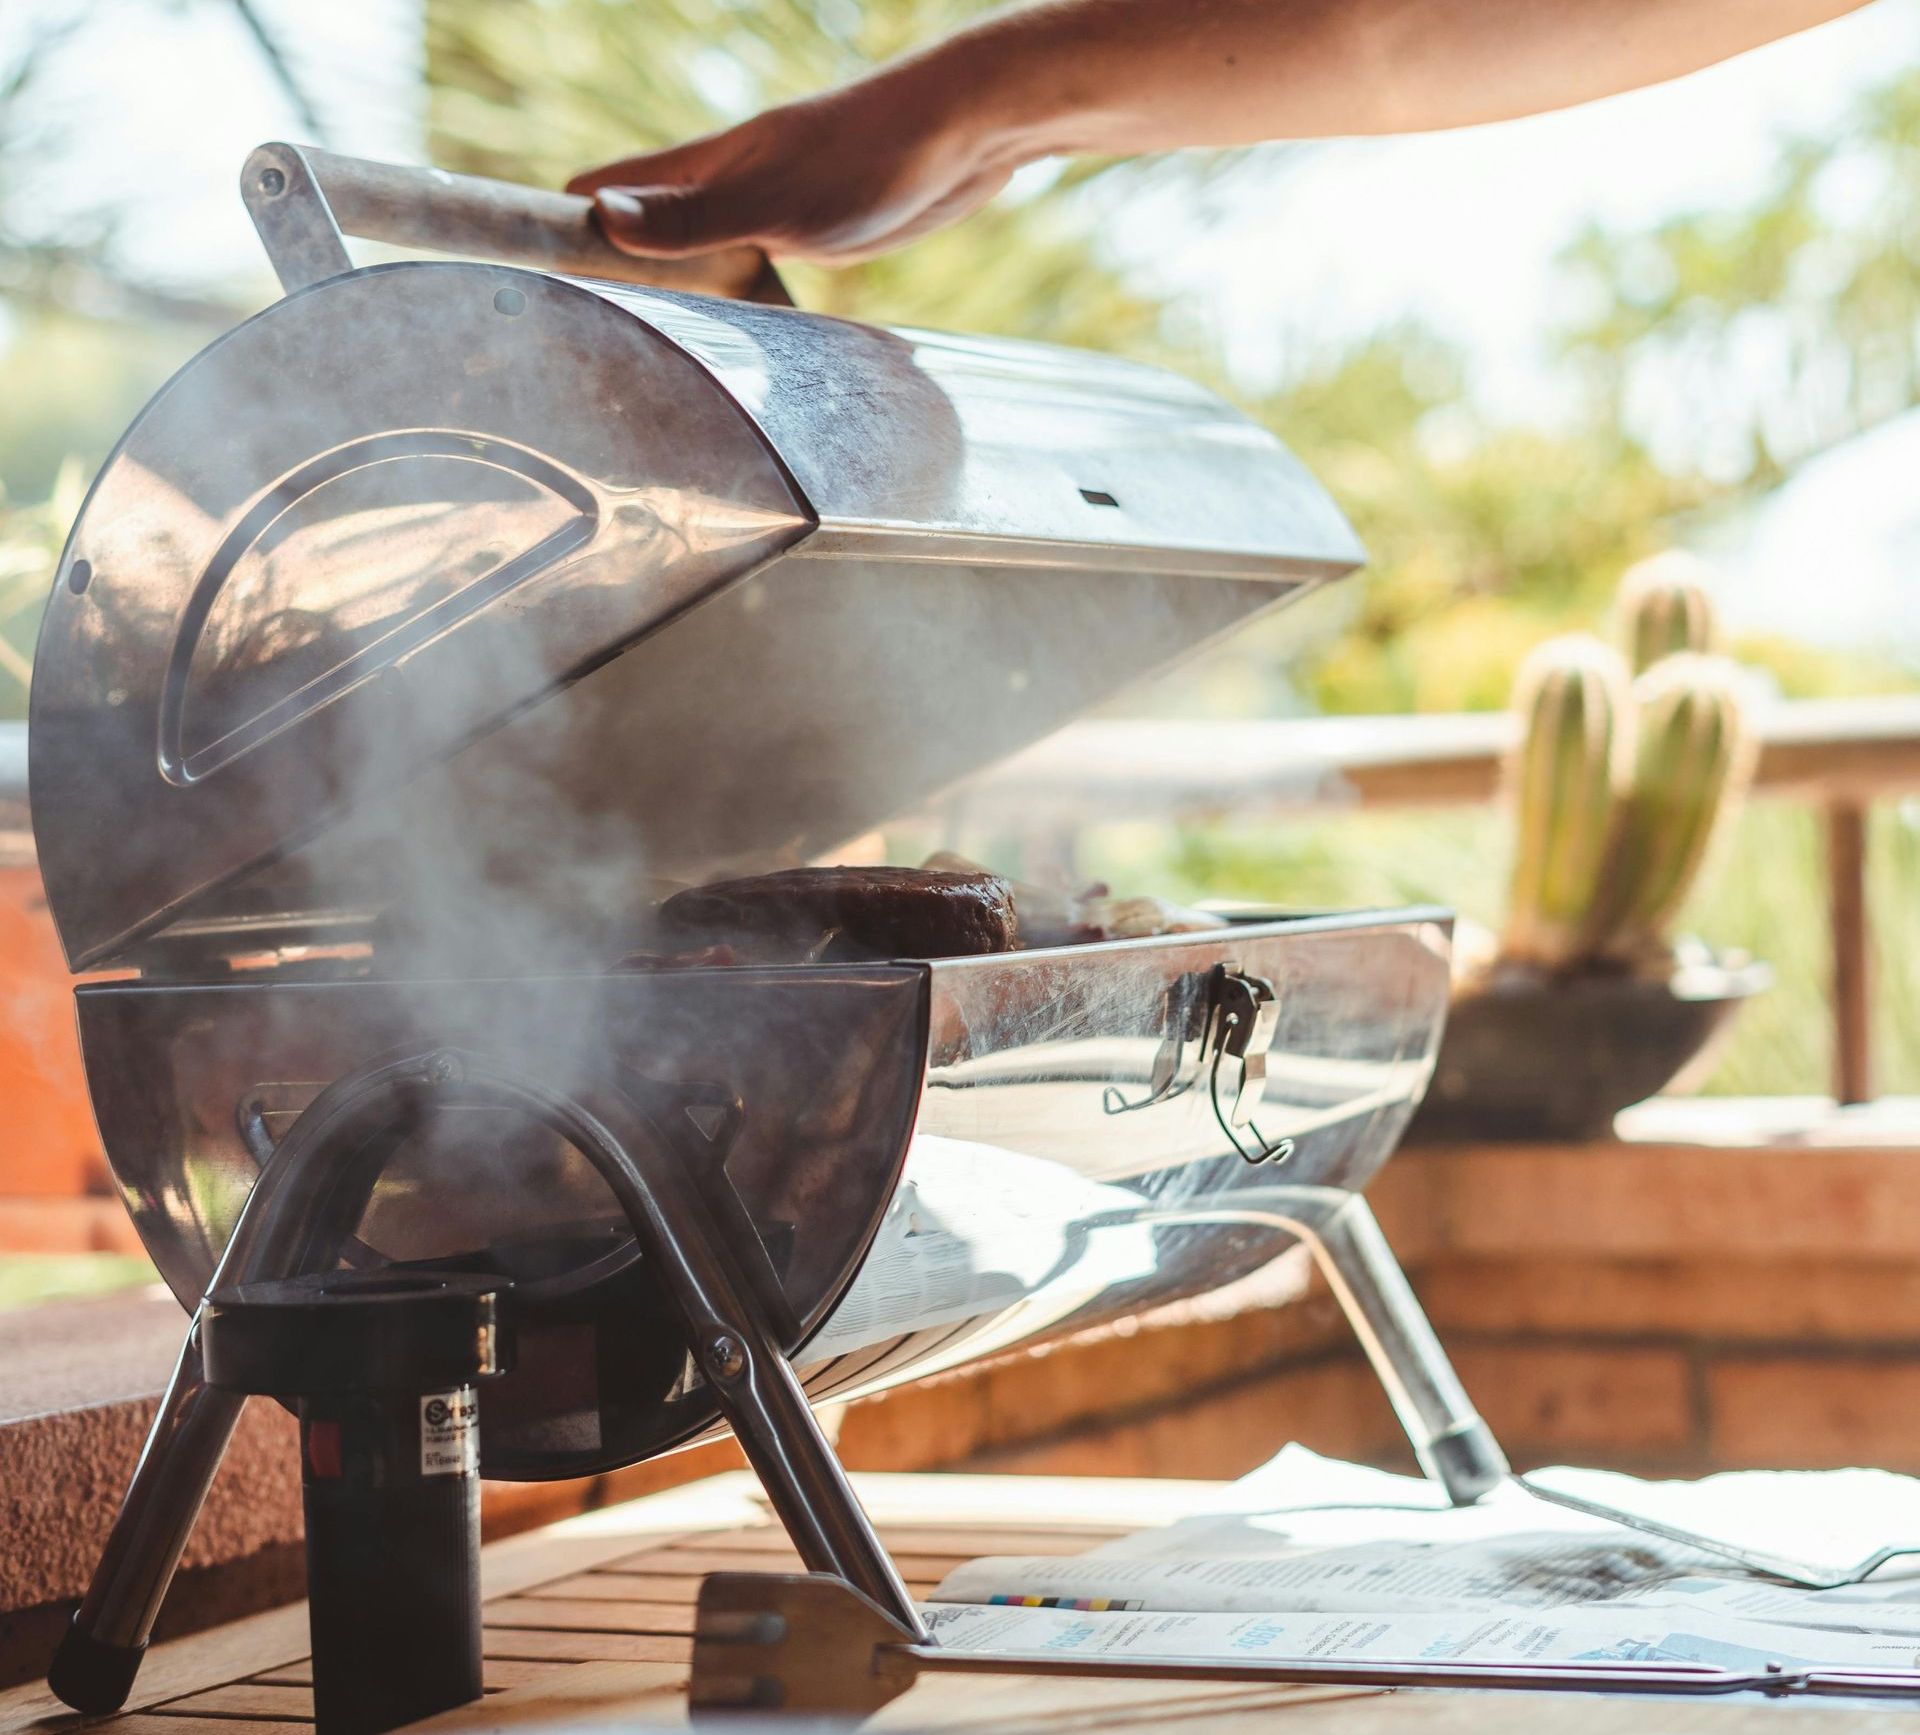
[441, 585]
[363, 528]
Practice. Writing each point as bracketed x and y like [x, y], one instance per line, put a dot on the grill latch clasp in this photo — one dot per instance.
[1244, 1018]
[1212, 1019]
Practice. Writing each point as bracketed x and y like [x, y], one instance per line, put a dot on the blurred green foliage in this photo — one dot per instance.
[30, 538]
[69, 384]
[1785, 325]
[1764, 893]
[1480, 547]
[539, 92]
[27, 1279]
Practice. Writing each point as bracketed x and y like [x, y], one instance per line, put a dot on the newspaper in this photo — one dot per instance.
[1309, 1557]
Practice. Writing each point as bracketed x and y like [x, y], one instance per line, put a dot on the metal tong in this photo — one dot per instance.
[793, 1642]
[1757, 1560]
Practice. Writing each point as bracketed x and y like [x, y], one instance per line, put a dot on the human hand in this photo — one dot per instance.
[836, 178]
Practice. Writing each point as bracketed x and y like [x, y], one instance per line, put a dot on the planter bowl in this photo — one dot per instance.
[1534, 1057]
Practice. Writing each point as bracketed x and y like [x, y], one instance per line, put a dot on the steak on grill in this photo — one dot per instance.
[808, 914]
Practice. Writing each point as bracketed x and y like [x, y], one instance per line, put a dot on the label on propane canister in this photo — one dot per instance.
[450, 1433]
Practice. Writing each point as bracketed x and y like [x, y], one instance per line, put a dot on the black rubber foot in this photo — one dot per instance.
[91, 1676]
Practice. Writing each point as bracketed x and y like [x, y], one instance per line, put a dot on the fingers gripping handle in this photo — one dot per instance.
[303, 201]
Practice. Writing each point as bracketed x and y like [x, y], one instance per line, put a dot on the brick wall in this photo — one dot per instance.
[1671, 1305]
[48, 1148]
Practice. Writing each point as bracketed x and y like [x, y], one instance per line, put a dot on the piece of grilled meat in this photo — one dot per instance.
[1047, 917]
[806, 915]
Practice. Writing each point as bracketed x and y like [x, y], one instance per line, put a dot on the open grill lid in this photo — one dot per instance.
[436, 582]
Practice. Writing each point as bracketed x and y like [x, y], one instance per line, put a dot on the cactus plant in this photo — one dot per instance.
[1620, 786]
[1574, 718]
[1692, 758]
[1665, 605]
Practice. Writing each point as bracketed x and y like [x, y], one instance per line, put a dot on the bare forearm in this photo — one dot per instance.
[1122, 76]
[851, 172]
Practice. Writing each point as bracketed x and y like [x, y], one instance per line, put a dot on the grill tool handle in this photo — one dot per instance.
[303, 201]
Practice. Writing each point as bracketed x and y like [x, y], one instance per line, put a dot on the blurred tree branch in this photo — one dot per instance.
[74, 273]
[1750, 339]
[280, 65]
[79, 279]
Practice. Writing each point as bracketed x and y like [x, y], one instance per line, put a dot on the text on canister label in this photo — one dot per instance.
[450, 1433]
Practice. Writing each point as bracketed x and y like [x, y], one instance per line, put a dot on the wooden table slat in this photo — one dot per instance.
[698, 1562]
[159, 1723]
[575, 1615]
[976, 1540]
[678, 1587]
[292, 1703]
[1066, 1537]
[501, 1673]
[632, 1694]
[498, 1673]
[514, 1644]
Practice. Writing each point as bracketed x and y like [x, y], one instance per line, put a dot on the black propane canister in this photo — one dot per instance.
[382, 1369]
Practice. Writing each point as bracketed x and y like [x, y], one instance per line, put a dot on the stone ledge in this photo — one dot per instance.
[1752, 1178]
[83, 1379]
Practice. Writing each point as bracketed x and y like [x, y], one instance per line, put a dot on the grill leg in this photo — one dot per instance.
[1455, 1447]
[292, 1220]
[730, 1332]
[94, 1668]
[306, 1201]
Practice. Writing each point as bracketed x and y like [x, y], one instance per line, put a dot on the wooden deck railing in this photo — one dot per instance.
[1841, 755]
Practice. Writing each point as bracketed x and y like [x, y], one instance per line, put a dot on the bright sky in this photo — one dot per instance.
[161, 102]
[1459, 230]
[153, 105]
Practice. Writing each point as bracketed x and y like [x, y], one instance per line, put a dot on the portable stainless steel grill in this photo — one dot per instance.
[427, 616]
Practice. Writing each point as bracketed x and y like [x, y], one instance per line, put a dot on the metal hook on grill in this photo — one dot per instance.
[1113, 1100]
[1188, 1005]
[1209, 1018]
[1246, 1016]
[1264, 1150]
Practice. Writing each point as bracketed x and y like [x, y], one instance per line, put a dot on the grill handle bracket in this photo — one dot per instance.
[304, 201]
